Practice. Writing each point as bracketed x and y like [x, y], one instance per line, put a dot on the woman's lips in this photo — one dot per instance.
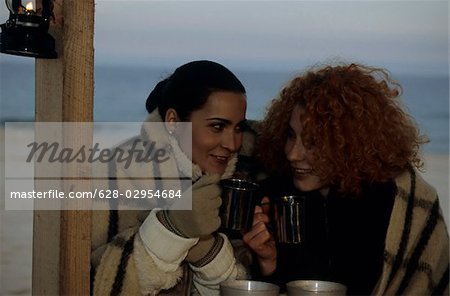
[301, 171]
[220, 159]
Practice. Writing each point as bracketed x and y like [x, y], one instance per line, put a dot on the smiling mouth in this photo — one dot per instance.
[301, 171]
[220, 158]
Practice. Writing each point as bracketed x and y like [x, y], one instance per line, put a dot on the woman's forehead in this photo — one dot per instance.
[227, 105]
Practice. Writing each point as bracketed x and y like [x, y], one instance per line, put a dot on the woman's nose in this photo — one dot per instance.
[231, 141]
[295, 151]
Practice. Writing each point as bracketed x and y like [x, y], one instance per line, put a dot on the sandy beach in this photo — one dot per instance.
[16, 228]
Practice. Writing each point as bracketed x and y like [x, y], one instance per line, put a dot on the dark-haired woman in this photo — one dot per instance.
[176, 252]
[371, 222]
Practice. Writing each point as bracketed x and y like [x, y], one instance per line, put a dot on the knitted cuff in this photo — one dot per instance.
[212, 253]
[166, 248]
[163, 217]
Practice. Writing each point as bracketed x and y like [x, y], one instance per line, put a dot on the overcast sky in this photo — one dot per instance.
[403, 36]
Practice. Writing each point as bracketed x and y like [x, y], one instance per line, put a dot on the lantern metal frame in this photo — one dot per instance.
[25, 33]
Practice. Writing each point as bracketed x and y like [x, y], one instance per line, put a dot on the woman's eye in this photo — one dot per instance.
[310, 146]
[290, 134]
[242, 127]
[218, 126]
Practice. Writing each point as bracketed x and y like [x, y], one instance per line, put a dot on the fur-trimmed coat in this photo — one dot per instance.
[132, 252]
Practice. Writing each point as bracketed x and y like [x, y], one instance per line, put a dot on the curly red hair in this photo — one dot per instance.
[354, 119]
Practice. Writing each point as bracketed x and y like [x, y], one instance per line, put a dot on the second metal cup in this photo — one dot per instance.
[289, 218]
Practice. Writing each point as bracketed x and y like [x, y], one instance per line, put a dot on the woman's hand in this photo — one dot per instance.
[204, 218]
[261, 240]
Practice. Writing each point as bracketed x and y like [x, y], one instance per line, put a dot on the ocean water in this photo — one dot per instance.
[120, 94]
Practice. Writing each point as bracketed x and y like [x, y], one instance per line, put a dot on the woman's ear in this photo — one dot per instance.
[171, 120]
[171, 115]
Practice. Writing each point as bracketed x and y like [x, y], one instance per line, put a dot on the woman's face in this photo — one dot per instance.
[217, 130]
[300, 158]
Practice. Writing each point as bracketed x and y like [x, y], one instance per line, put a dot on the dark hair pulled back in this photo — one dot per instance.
[188, 88]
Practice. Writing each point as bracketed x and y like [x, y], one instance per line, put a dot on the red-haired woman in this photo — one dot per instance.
[372, 223]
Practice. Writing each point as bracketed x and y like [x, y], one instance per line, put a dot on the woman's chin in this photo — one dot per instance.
[213, 169]
[306, 186]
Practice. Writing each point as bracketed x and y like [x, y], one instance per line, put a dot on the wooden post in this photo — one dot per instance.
[64, 93]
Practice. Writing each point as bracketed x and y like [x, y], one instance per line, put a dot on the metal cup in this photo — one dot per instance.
[289, 218]
[245, 287]
[238, 204]
[315, 288]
